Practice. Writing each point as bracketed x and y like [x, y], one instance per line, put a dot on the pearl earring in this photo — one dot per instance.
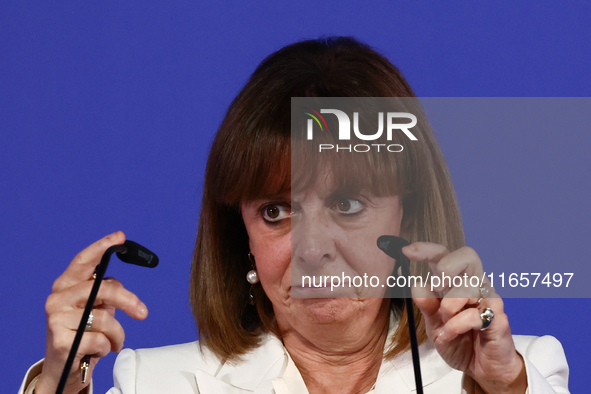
[252, 276]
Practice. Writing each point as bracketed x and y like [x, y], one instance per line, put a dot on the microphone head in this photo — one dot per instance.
[392, 245]
[138, 255]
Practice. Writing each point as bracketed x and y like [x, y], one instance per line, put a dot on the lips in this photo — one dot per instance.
[322, 292]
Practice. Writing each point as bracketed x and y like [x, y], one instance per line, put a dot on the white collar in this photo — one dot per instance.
[269, 366]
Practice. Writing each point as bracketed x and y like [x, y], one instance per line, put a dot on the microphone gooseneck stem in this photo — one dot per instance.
[414, 343]
[392, 246]
[100, 273]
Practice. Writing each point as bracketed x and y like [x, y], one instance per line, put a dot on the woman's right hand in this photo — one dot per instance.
[64, 309]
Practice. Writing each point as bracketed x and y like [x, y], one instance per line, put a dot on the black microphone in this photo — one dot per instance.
[130, 252]
[392, 246]
[135, 253]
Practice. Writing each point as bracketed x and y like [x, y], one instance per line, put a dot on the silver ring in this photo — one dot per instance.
[89, 322]
[487, 317]
[484, 292]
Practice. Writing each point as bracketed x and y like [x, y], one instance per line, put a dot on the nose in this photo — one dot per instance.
[313, 241]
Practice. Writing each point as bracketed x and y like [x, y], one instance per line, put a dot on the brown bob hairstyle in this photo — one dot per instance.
[250, 158]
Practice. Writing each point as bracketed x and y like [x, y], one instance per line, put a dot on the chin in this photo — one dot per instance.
[329, 310]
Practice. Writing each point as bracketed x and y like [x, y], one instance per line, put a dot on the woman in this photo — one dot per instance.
[264, 215]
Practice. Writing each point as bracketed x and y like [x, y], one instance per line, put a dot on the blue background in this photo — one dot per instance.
[107, 110]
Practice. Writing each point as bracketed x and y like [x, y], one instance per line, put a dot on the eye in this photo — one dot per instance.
[275, 212]
[348, 206]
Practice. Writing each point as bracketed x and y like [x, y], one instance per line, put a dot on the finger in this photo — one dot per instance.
[466, 320]
[471, 294]
[495, 302]
[469, 319]
[460, 298]
[82, 266]
[102, 322]
[461, 268]
[115, 295]
[428, 302]
[111, 294]
[451, 306]
[106, 307]
[463, 260]
[94, 344]
[425, 251]
[60, 343]
[430, 310]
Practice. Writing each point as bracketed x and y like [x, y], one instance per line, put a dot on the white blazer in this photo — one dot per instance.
[184, 369]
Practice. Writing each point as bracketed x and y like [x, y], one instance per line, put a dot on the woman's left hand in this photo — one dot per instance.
[453, 322]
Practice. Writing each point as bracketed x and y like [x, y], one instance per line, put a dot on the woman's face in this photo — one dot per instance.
[321, 233]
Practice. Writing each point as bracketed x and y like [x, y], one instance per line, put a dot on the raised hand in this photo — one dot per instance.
[454, 322]
[64, 309]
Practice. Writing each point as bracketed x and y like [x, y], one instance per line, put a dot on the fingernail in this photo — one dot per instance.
[409, 248]
[143, 310]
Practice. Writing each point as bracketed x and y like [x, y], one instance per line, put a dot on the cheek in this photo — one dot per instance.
[361, 256]
[359, 248]
[273, 257]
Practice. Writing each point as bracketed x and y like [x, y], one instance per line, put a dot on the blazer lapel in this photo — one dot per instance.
[256, 369]
[400, 372]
